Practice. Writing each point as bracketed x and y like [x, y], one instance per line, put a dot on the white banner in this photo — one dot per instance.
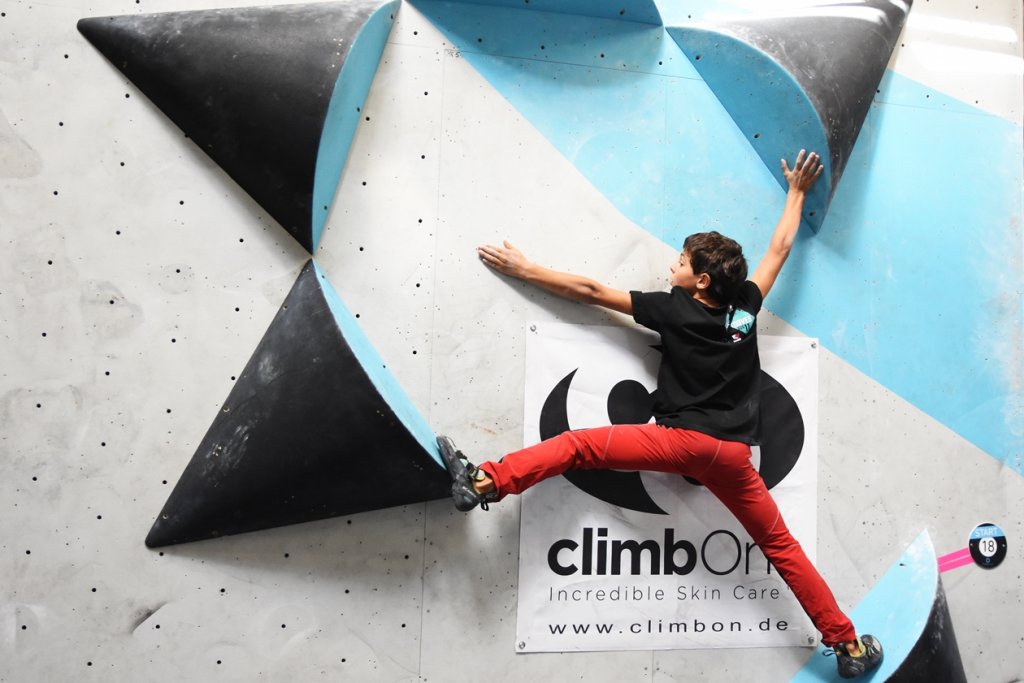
[620, 575]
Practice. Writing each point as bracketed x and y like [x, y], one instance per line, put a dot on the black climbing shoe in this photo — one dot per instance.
[850, 665]
[463, 473]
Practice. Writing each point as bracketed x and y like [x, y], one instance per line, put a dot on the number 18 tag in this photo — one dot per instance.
[987, 545]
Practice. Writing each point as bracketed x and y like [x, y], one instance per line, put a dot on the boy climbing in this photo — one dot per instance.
[705, 405]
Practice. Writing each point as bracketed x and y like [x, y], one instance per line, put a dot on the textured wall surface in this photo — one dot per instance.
[136, 279]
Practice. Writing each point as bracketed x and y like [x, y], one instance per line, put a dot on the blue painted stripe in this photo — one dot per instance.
[344, 110]
[916, 273]
[915, 277]
[557, 38]
[642, 11]
[377, 371]
[895, 611]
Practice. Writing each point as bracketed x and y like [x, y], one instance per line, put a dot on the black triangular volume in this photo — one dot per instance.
[936, 655]
[250, 86]
[907, 613]
[305, 434]
[805, 76]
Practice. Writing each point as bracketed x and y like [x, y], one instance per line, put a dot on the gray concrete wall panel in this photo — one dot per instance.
[153, 276]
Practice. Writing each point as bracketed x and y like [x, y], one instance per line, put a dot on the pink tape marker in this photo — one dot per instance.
[955, 559]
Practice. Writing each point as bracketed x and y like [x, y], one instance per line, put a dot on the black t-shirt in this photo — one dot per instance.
[709, 379]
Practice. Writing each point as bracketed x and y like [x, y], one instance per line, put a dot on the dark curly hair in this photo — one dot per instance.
[722, 259]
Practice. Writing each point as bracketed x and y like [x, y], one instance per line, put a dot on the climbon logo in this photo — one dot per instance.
[599, 555]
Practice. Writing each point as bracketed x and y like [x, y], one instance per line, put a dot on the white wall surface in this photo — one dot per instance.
[136, 279]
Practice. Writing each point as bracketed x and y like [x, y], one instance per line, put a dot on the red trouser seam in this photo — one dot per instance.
[713, 459]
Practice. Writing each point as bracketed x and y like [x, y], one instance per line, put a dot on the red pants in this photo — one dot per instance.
[722, 466]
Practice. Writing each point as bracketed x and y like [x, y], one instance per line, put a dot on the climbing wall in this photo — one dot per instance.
[144, 285]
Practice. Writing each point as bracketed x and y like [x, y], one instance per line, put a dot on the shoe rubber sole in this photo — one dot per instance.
[463, 493]
[858, 666]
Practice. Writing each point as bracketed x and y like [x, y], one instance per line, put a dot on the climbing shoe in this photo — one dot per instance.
[463, 474]
[851, 666]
